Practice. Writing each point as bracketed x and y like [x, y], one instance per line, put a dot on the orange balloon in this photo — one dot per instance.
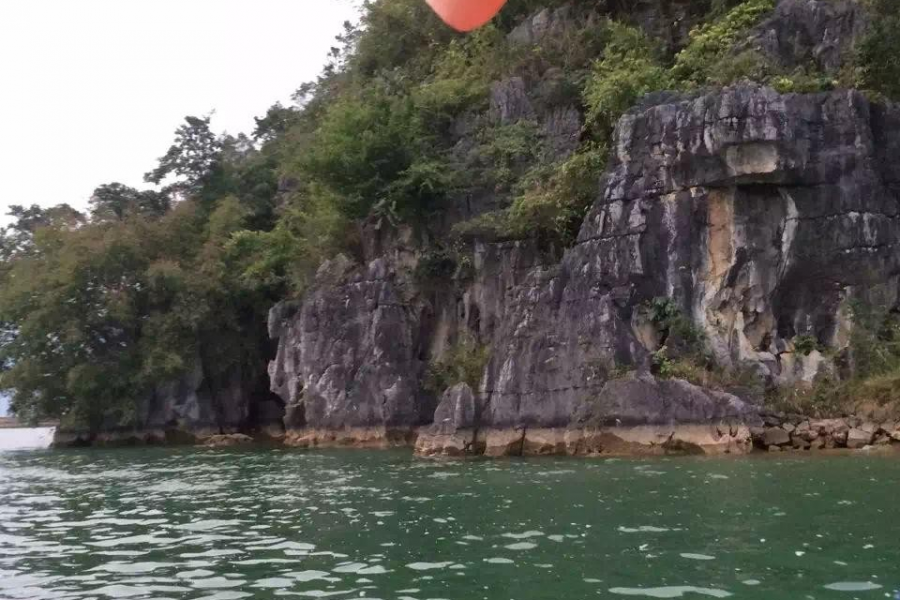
[466, 15]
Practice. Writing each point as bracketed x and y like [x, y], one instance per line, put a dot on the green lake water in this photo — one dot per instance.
[223, 525]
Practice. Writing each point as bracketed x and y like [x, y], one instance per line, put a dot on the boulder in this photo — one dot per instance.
[799, 443]
[870, 427]
[453, 432]
[858, 438]
[776, 436]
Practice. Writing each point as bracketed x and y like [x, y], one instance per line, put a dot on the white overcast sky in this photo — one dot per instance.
[91, 91]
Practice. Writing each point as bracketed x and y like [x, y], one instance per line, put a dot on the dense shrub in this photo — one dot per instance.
[711, 42]
[878, 69]
[550, 204]
[629, 69]
[463, 362]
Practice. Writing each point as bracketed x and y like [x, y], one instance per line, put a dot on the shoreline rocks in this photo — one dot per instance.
[779, 433]
[795, 432]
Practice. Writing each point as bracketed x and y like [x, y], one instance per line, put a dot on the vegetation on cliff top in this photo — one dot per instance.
[97, 309]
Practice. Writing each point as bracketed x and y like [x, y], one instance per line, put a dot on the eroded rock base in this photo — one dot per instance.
[647, 440]
[355, 437]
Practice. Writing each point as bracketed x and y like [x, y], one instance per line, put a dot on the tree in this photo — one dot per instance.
[18, 237]
[275, 123]
[115, 201]
[192, 158]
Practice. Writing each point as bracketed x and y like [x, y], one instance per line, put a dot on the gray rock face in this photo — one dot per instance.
[801, 33]
[458, 410]
[760, 214]
[351, 355]
[545, 23]
[643, 400]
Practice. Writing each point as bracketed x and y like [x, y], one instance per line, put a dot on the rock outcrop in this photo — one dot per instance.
[810, 33]
[760, 215]
[455, 431]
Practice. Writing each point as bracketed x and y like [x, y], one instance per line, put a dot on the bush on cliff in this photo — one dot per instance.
[711, 43]
[878, 69]
[462, 362]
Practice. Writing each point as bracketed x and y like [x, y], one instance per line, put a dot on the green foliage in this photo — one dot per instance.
[460, 78]
[663, 311]
[683, 353]
[98, 312]
[192, 157]
[369, 149]
[712, 42]
[115, 201]
[878, 69]
[803, 82]
[17, 239]
[463, 362]
[550, 204]
[435, 270]
[394, 34]
[675, 325]
[805, 344]
[630, 68]
[874, 340]
[554, 201]
[821, 399]
[749, 65]
[505, 150]
[687, 368]
[310, 230]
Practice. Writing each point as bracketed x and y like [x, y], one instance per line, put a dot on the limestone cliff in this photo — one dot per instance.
[760, 215]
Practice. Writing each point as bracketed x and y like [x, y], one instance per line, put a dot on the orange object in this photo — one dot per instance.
[466, 15]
